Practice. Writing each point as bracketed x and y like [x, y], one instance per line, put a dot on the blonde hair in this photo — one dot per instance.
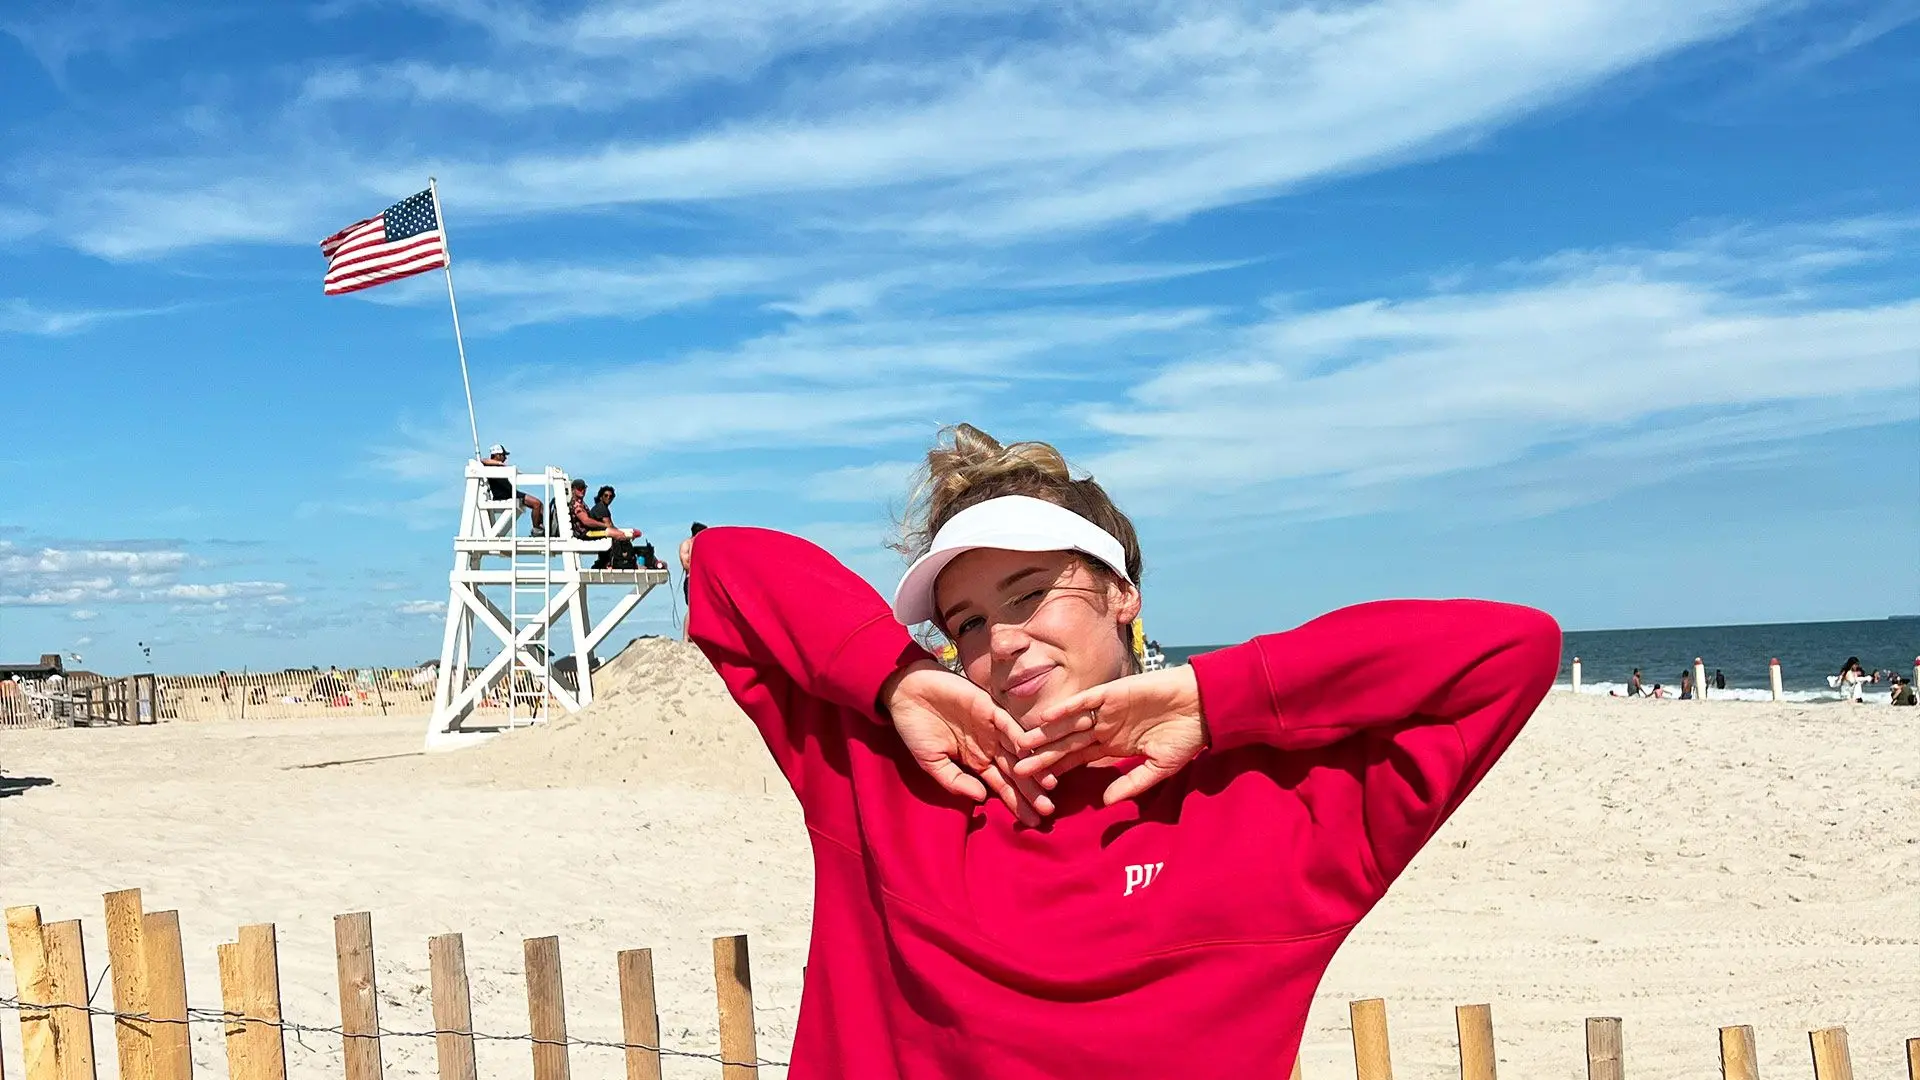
[967, 466]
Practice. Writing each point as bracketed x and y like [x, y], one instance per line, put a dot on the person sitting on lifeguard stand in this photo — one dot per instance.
[595, 522]
[501, 489]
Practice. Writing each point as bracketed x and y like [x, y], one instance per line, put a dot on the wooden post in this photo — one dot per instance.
[359, 997]
[1295, 1075]
[233, 1005]
[1371, 1060]
[127, 953]
[546, 1008]
[1604, 1049]
[1576, 674]
[1738, 1058]
[733, 980]
[67, 974]
[1830, 1059]
[1699, 679]
[1475, 1024]
[1913, 1047]
[26, 938]
[256, 1048]
[1773, 675]
[639, 1014]
[452, 1007]
[171, 1052]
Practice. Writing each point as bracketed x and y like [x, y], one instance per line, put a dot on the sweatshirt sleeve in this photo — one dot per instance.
[1413, 699]
[802, 643]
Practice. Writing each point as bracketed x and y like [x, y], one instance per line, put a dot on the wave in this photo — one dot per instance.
[1731, 693]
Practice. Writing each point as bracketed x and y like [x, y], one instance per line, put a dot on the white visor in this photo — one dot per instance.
[1008, 523]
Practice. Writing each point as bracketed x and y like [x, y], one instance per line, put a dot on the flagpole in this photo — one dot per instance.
[447, 246]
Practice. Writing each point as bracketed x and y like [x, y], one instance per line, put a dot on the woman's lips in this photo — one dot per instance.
[1029, 684]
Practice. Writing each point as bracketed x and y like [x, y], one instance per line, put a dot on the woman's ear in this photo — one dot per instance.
[1124, 601]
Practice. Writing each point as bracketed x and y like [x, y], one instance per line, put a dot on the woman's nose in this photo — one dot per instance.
[1008, 640]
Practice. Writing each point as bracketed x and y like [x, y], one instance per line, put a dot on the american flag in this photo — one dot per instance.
[404, 240]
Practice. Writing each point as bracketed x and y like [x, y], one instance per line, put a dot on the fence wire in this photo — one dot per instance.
[198, 1015]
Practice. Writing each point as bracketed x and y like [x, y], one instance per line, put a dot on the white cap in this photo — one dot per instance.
[1008, 523]
[496, 450]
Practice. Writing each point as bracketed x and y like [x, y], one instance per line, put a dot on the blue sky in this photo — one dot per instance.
[1607, 306]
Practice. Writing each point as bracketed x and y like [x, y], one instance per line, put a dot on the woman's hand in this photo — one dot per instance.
[1154, 715]
[960, 737]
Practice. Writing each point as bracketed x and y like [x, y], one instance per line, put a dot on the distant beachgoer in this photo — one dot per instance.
[1634, 686]
[501, 490]
[1658, 691]
[1719, 680]
[624, 554]
[1173, 856]
[587, 525]
[1686, 686]
[1903, 692]
[1852, 675]
[686, 561]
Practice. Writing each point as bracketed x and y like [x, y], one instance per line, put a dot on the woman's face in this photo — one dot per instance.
[1033, 627]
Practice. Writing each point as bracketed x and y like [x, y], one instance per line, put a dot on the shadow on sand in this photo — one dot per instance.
[18, 785]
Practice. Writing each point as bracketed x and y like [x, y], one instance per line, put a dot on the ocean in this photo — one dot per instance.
[1808, 653]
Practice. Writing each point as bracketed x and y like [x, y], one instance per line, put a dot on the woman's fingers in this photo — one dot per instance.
[1028, 787]
[1049, 755]
[1087, 755]
[1071, 708]
[949, 775]
[1009, 795]
[1050, 731]
[1137, 781]
[1009, 730]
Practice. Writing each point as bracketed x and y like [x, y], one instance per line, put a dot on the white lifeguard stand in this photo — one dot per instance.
[546, 588]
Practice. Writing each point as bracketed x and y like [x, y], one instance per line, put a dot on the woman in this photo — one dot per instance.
[1852, 676]
[1056, 866]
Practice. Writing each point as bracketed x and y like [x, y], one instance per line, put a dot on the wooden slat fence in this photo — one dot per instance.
[81, 701]
[151, 1013]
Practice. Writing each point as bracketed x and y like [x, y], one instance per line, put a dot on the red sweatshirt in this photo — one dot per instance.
[1181, 934]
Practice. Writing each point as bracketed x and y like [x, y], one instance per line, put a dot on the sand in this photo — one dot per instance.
[1681, 865]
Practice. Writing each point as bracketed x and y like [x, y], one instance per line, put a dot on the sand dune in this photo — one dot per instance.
[1682, 865]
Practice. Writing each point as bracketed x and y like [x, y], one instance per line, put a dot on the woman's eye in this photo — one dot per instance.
[1031, 597]
[969, 626]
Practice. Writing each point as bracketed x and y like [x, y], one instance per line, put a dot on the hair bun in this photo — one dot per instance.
[964, 457]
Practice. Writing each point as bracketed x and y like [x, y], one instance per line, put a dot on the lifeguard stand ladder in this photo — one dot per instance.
[546, 587]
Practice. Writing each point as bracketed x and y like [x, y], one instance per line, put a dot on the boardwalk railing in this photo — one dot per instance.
[152, 1014]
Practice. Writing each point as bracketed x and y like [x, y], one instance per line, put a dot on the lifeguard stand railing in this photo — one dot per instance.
[545, 588]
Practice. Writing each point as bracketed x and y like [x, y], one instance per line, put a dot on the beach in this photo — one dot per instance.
[1681, 865]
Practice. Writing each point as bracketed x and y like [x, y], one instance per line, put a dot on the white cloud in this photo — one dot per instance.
[104, 574]
[810, 385]
[16, 562]
[1652, 363]
[506, 294]
[19, 316]
[16, 224]
[56, 35]
[83, 615]
[1570, 378]
[1120, 113]
[1126, 121]
[224, 590]
[421, 607]
[861, 483]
